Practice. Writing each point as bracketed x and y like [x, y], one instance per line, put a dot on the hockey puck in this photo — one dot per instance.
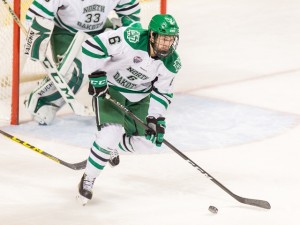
[213, 209]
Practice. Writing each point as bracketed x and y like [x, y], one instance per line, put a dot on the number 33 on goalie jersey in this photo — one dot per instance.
[87, 15]
[123, 54]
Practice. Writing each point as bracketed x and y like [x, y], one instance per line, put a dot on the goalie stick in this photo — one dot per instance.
[73, 166]
[248, 201]
[57, 79]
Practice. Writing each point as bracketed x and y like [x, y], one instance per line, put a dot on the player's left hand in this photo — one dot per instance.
[157, 131]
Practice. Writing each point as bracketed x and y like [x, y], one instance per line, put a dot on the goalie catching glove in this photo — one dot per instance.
[157, 131]
[98, 84]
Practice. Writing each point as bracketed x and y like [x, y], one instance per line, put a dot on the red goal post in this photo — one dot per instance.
[18, 76]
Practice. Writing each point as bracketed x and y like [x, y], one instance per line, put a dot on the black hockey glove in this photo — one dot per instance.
[98, 84]
[157, 131]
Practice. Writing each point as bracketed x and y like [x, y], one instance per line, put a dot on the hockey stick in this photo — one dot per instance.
[75, 166]
[57, 79]
[248, 201]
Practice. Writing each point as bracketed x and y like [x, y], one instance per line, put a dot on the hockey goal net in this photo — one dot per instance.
[18, 76]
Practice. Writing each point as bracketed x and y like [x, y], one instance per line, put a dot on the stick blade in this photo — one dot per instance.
[255, 202]
[77, 166]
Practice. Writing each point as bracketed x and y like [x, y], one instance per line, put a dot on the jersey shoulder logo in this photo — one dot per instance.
[177, 64]
[133, 36]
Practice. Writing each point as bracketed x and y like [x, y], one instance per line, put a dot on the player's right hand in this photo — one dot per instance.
[98, 84]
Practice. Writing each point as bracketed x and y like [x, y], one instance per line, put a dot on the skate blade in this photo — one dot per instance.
[82, 200]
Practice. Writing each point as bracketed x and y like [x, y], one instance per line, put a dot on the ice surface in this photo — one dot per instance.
[237, 117]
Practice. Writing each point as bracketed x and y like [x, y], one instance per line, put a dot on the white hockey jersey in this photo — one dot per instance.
[123, 55]
[84, 15]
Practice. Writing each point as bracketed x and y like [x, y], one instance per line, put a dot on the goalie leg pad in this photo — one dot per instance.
[45, 115]
[38, 38]
[73, 51]
[43, 102]
[70, 65]
[47, 94]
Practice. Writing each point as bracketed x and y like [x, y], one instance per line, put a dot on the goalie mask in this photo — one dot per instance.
[164, 35]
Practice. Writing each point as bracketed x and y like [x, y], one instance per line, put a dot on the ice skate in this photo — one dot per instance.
[114, 158]
[85, 189]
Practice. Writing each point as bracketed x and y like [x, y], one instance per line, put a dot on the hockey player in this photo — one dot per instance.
[136, 67]
[66, 23]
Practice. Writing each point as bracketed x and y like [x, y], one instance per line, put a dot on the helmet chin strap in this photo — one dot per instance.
[161, 53]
